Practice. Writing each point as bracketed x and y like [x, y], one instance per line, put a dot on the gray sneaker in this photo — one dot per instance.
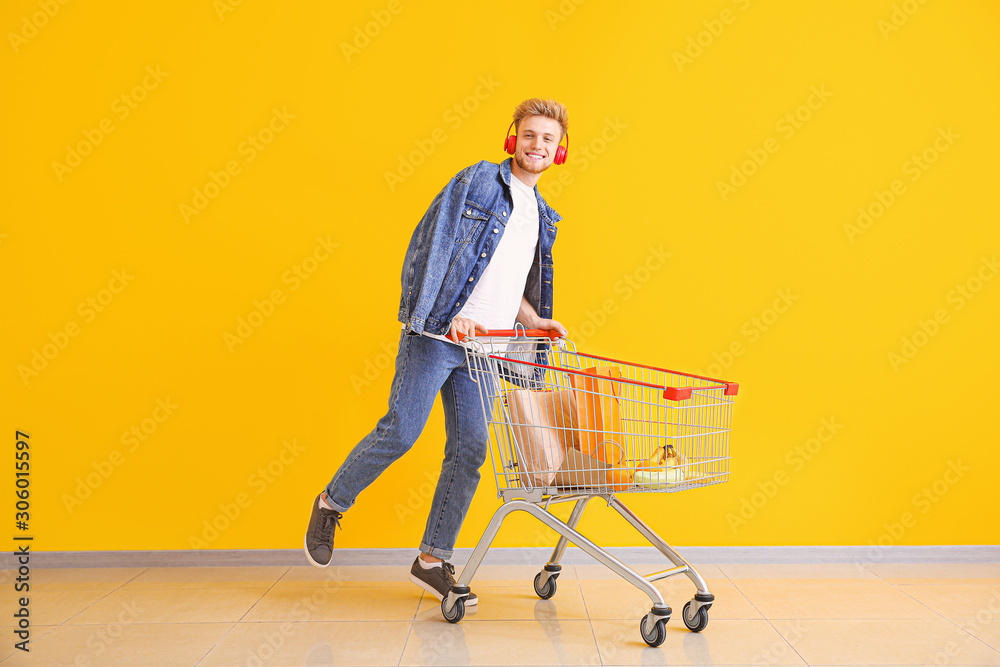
[319, 535]
[438, 580]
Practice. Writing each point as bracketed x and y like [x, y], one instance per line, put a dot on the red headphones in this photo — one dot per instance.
[561, 151]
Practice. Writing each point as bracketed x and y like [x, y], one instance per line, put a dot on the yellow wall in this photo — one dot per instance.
[159, 100]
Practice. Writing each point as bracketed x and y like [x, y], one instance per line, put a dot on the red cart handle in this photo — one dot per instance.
[551, 334]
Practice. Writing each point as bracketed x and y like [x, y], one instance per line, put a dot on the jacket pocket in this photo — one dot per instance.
[470, 225]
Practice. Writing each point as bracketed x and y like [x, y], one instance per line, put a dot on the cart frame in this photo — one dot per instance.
[536, 501]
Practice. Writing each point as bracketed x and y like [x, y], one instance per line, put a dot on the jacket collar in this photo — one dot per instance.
[548, 211]
[505, 171]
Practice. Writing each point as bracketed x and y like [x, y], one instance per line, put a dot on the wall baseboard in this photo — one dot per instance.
[515, 556]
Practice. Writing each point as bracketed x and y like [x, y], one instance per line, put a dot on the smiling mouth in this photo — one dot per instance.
[534, 156]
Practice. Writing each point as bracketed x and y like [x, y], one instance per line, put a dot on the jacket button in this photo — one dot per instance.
[495, 230]
[458, 303]
[483, 255]
[469, 212]
[505, 214]
[471, 279]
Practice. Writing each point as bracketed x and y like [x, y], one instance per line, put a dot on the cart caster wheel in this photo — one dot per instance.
[697, 621]
[457, 611]
[654, 635]
[548, 589]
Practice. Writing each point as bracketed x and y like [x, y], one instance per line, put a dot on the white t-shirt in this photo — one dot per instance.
[496, 298]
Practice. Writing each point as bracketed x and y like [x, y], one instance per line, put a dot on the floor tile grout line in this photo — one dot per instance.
[879, 578]
[901, 587]
[288, 570]
[764, 616]
[942, 616]
[741, 592]
[871, 571]
[610, 619]
[409, 630]
[269, 589]
[276, 622]
[137, 575]
[227, 632]
[117, 588]
[216, 643]
[590, 621]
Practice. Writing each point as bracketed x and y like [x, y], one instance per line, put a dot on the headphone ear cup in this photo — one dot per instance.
[561, 154]
[510, 143]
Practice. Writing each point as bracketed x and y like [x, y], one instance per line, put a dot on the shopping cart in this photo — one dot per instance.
[571, 427]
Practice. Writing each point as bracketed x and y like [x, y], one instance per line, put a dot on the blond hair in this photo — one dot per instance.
[538, 107]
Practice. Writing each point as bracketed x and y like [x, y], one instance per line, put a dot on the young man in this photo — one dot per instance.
[481, 258]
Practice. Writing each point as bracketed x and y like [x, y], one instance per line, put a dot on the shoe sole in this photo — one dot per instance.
[430, 589]
[305, 547]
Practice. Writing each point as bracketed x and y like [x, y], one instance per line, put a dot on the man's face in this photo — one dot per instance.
[537, 140]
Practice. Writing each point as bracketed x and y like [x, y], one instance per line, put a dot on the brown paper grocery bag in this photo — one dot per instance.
[543, 424]
[579, 470]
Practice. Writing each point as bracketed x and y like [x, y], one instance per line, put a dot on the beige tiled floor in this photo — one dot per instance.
[792, 614]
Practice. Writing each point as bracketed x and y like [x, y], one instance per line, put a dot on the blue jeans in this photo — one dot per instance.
[424, 367]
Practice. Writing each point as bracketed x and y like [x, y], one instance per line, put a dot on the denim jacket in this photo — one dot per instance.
[454, 242]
